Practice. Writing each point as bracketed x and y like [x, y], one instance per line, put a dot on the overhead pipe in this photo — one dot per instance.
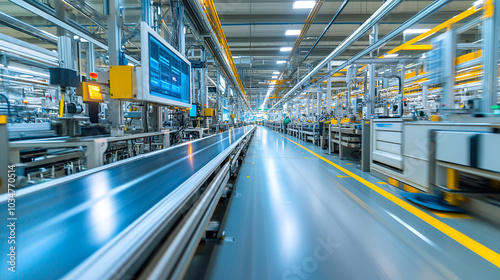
[309, 20]
[199, 19]
[42, 11]
[381, 13]
[307, 24]
[341, 8]
[424, 13]
[24, 27]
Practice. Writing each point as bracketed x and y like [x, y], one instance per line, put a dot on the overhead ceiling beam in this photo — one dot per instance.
[381, 13]
[424, 13]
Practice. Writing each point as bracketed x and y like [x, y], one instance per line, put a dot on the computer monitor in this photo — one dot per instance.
[166, 72]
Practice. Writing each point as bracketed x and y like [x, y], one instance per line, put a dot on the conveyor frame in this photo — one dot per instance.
[126, 253]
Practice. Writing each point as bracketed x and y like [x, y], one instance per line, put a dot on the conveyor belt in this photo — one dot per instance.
[62, 223]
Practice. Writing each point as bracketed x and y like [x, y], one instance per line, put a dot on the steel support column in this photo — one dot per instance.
[401, 92]
[329, 91]
[449, 45]
[203, 79]
[146, 12]
[182, 36]
[491, 28]
[318, 102]
[370, 100]
[90, 54]
[64, 39]
[114, 45]
[425, 104]
[217, 99]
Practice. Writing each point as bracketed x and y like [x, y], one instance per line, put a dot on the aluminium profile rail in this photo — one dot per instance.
[174, 256]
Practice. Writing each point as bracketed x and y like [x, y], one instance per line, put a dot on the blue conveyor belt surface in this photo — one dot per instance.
[294, 216]
[59, 227]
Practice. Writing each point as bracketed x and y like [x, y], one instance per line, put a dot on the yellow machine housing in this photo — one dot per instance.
[208, 112]
[121, 82]
[345, 120]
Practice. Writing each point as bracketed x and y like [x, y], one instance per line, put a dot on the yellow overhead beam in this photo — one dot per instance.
[213, 18]
[417, 48]
[447, 24]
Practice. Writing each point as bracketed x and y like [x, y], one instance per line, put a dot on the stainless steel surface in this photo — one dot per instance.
[65, 222]
[292, 217]
[183, 245]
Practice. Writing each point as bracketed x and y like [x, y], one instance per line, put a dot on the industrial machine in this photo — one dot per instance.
[174, 190]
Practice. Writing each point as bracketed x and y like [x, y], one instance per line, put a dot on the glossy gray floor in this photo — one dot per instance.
[295, 216]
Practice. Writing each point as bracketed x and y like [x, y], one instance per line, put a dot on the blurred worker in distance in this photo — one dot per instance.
[286, 121]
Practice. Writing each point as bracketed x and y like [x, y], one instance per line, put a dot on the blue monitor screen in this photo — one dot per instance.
[168, 74]
[192, 112]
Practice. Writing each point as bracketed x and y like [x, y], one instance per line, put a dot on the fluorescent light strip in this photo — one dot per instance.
[292, 32]
[416, 31]
[281, 62]
[303, 4]
[285, 49]
[276, 72]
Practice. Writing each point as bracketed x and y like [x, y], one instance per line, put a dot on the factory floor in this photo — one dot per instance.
[298, 213]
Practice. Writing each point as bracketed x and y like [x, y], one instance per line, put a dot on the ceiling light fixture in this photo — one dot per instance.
[292, 32]
[416, 31]
[391, 55]
[285, 49]
[303, 4]
[276, 72]
[281, 62]
[274, 77]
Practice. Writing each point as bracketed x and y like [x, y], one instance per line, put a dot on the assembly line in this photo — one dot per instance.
[250, 139]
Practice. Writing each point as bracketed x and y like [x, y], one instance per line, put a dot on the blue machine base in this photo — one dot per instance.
[432, 202]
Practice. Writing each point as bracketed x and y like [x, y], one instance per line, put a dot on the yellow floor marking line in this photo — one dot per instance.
[471, 244]
[248, 176]
[340, 176]
[382, 183]
[349, 164]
